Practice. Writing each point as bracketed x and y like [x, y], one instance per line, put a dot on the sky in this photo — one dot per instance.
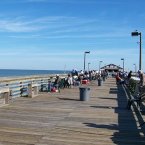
[55, 34]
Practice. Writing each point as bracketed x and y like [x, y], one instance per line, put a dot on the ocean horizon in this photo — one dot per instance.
[21, 72]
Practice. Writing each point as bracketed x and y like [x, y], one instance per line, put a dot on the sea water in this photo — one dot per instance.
[17, 72]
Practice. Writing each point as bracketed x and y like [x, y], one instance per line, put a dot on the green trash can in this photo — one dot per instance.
[84, 93]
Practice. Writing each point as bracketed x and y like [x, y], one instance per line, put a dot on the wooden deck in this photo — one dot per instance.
[61, 119]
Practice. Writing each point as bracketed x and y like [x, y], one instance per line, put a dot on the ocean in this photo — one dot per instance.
[17, 72]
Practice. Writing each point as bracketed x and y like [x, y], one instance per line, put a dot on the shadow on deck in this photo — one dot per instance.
[127, 131]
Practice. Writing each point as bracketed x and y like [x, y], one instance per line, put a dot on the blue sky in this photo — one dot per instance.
[54, 34]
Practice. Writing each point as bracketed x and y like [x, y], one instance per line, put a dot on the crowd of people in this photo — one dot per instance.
[75, 78]
[124, 77]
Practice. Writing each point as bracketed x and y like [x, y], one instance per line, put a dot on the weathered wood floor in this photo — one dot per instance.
[61, 119]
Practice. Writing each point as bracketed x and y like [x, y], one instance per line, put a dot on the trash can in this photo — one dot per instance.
[84, 93]
[99, 82]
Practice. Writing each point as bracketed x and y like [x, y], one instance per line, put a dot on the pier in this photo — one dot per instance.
[62, 119]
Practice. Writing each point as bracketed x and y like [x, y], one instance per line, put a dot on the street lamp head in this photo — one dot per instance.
[87, 51]
[135, 33]
[122, 58]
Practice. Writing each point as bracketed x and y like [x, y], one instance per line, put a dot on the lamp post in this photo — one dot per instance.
[89, 66]
[85, 59]
[134, 67]
[123, 63]
[140, 52]
[100, 65]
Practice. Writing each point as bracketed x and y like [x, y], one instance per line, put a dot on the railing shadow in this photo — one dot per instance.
[111, 126]
[113, 91]
[127, 130]
[138, 113]
[108, 98]
[70, 99]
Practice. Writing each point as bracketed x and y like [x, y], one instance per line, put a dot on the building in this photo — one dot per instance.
[111, 68]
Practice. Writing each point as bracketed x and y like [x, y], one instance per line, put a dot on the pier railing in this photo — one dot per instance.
[18, 86]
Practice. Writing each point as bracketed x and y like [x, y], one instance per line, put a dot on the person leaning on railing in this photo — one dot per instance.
[119, 80]
[141, 76]
[129, 75]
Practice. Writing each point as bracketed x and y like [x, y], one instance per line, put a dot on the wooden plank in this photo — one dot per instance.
[61, 119]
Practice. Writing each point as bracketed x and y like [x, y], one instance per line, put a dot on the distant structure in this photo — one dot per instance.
[111, 68]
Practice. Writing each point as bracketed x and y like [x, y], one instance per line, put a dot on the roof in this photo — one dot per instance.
[111, 67]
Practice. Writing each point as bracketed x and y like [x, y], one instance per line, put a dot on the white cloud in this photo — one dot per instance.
[16, 26]
[52, 52]
[75, 36]
[20, 24]
[62, 27]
